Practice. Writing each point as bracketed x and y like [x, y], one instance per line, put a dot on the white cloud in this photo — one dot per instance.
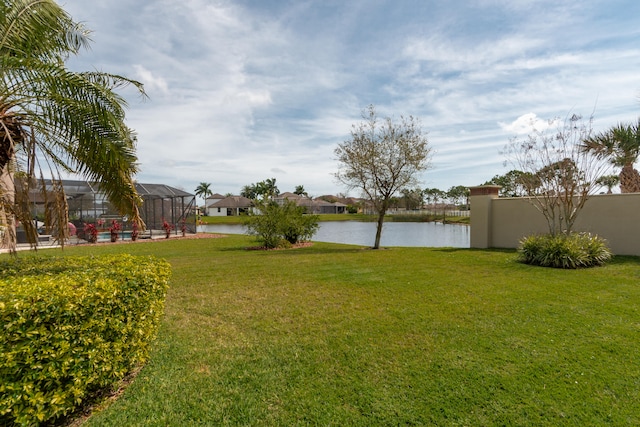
[244, 90]
[526, 124]
[150, 81]
[468, 55]
[249, 98]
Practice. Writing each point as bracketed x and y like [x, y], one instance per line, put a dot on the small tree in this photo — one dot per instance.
[296, 225]
[380, 158]
[264, 223]
[276, 224]
[561, 175]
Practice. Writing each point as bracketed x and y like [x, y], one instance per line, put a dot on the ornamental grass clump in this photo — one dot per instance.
[575, 250]
[72, 326]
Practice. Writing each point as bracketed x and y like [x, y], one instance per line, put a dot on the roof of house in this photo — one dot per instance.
[234, 202]
[288, 195]
[217, 196]
[214, 199]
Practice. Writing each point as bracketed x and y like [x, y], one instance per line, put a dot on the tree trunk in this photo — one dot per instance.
[7, 199]
[376, 245]
[11, 135]
[629, 179]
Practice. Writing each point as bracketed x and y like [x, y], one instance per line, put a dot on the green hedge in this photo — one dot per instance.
[71, 326]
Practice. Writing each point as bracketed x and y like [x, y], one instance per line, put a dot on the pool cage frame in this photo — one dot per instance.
[87, 204]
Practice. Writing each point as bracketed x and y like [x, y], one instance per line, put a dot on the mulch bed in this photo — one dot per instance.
[173, 236]
[205, 236]
[296, 246]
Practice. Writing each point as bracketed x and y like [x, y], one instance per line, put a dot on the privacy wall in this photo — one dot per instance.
[500, 222]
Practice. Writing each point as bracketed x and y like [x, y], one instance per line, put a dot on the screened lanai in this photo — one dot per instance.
[161, 202]
[164, 202]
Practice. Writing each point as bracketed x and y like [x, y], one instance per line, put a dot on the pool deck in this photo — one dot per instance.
[75, 241]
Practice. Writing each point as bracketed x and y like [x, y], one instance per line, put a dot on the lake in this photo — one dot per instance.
[410, 234]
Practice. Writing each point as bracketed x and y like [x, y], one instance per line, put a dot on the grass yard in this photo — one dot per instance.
[336, 335]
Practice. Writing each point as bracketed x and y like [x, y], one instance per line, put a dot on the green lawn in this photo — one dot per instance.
[336, 335]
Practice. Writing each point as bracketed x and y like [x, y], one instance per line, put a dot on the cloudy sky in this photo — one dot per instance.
[245, 90]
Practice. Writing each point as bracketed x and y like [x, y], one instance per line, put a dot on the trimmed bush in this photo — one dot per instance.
[72, 326]
[575, 250]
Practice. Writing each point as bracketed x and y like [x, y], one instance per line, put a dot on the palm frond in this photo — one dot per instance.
[39, 29]
[75, 121]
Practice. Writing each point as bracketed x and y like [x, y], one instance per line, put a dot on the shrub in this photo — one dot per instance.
[167, 228]
[277, 225]
[90, 233]
[296, 225]
[135, 231]
[266, 225]
[575, 250]
[72, 326]
[114, 230]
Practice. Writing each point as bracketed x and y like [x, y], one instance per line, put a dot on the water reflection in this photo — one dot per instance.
[421, 234]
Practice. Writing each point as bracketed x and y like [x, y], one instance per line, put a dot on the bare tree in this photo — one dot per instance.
[381, 158]
[559, 175]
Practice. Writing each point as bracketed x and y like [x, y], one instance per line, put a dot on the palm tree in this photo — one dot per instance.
[71, 121]
[300, 191]
[621, 145]
[267, 188]
[608, 181]
[271, 189]
[204, 190]
[249, 191]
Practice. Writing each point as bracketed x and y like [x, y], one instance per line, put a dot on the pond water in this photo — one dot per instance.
[423, 234]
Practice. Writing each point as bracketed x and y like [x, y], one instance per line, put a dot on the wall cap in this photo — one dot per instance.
[485, 190]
